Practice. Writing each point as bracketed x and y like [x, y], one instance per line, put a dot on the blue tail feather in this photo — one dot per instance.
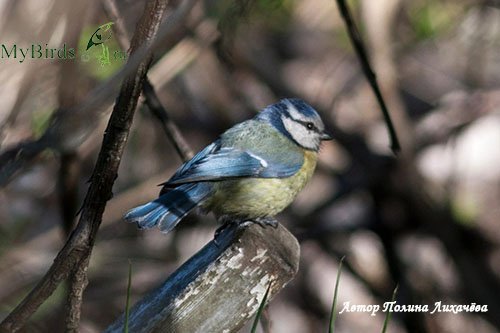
[169, 209]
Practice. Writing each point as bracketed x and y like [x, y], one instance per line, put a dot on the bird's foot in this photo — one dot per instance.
[265, 221]
[220, 229]
[243, 223]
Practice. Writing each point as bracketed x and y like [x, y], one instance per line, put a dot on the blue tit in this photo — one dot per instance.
[251, 172]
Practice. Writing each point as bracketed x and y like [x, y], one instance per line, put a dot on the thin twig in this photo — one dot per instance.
[357, 42]
[79, 245]
[169, 127]
[152, 101]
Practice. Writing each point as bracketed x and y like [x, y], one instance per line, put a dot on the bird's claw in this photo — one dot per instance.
[265, 221]
[220, 229]
[262, 221]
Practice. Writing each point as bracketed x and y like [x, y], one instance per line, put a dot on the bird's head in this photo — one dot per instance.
[298, 121]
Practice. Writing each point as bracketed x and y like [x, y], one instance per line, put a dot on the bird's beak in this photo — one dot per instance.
[325, 136]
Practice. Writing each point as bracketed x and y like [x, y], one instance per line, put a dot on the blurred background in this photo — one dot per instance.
[427, 220]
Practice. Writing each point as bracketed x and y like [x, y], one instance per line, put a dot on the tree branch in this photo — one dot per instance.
[81, 241]
[220, 287]
[77, 283]
[169, 127]
[152, 101]
[370, 75]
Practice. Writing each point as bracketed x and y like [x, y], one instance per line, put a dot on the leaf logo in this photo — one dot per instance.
[101, 35]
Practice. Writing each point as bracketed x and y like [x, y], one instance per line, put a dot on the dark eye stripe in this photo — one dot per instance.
[307, 125]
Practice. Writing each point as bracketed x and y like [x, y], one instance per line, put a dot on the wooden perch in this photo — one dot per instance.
[221, 286]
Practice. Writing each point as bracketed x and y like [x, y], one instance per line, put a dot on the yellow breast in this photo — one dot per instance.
[258, 197]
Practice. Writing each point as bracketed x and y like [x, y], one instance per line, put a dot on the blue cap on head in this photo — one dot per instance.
[275, 110]
[301, 106]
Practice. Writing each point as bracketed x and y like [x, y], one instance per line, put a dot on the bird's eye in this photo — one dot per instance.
[310, 126]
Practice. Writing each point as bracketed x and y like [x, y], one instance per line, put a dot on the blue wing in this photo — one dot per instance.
[216, 163]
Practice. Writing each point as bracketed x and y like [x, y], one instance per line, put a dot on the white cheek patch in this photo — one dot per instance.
[299, 133]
